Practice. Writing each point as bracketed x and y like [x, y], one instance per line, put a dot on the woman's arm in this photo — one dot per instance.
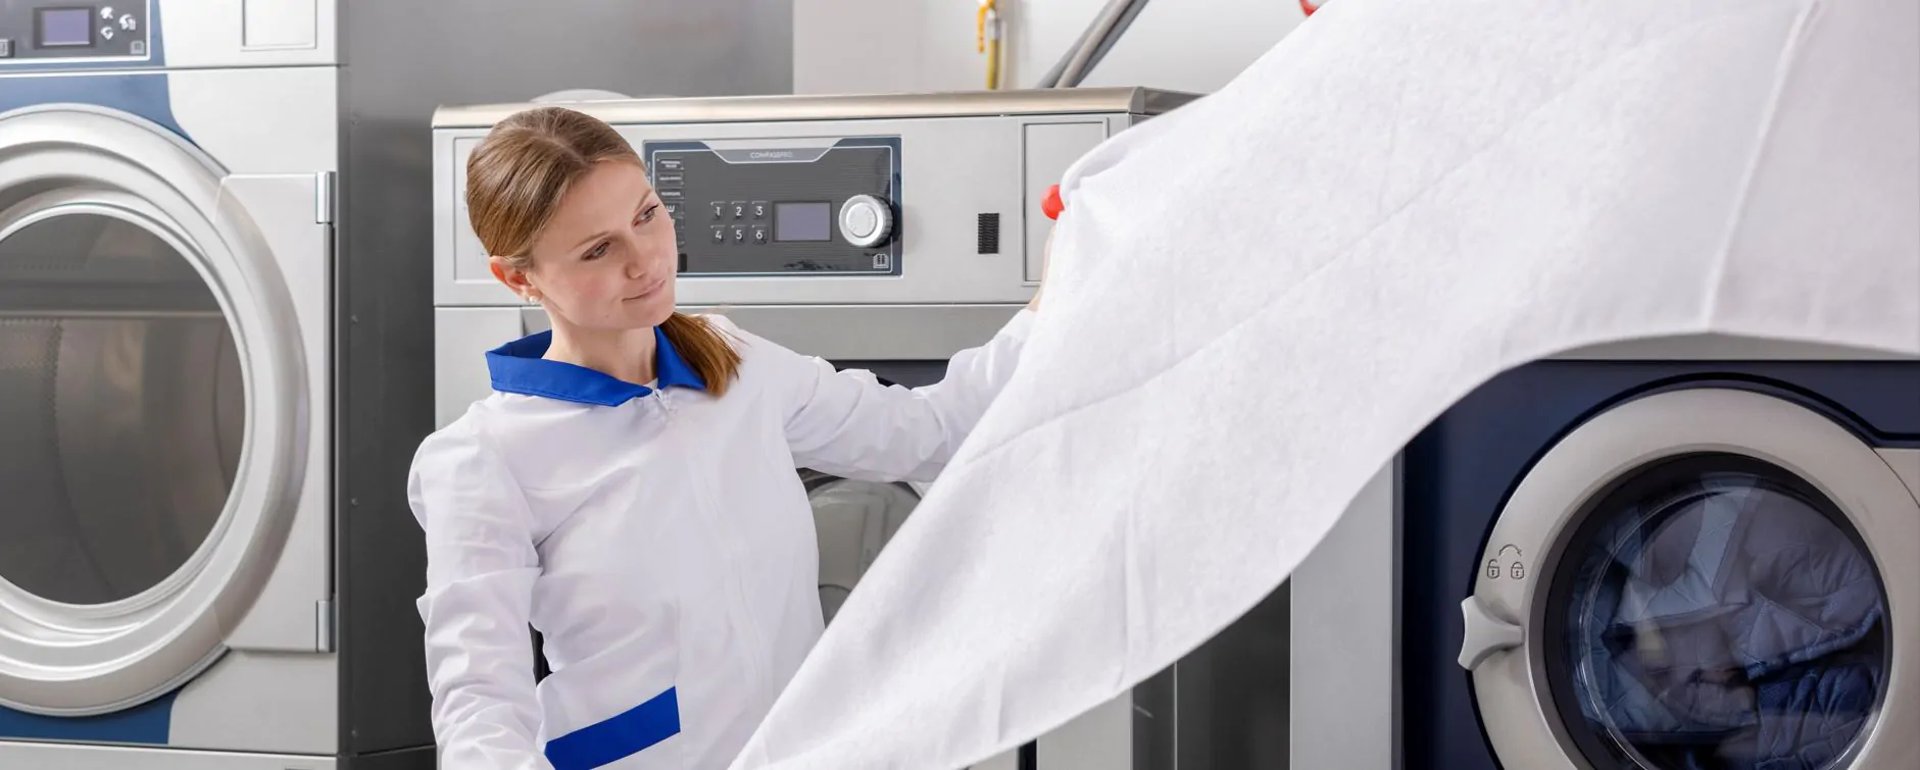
[481, 567]
[848, 424]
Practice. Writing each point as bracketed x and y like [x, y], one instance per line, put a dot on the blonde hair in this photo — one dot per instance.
[516, 178]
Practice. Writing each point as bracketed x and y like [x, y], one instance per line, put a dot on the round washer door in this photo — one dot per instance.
[1701, 579]
[150, 411]
[853, 521]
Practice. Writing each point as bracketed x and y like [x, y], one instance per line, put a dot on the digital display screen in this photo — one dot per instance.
[63, 27]
[802, 221]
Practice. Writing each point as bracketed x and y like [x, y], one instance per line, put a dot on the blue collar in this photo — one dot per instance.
[517, 367]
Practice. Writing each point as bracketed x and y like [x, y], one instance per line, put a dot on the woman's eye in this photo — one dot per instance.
[597, 251]
[647, 215]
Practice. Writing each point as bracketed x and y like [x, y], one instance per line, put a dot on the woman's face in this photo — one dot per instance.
[606, 260]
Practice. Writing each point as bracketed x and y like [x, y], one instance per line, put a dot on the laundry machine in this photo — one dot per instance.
[1693, 553]
[214, 359]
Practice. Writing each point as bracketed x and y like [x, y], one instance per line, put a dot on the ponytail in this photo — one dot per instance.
[705, 348]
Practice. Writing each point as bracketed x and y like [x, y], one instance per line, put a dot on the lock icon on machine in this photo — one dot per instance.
[1493, 569]
[1518, 572]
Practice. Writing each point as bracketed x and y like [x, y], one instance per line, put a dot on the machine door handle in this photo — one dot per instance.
[1485, 634]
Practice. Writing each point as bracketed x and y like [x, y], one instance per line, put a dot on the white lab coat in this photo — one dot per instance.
[660, 540]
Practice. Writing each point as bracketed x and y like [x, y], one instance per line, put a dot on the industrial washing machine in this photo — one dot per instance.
[882, 233]
[1698, 553]
[214, 357]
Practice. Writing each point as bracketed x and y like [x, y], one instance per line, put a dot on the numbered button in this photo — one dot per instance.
[759, 235]
[759, 209]
[719, 234]
[718, 209]
[739, 234]
[739, 209]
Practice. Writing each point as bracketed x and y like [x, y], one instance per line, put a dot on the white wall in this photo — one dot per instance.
[859, 46]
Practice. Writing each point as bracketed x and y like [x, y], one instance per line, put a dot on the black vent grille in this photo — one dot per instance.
[989, 234]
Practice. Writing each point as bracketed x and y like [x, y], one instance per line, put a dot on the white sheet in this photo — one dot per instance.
[1260, 297]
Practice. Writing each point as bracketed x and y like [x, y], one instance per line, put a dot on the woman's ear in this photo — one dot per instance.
[514, 278]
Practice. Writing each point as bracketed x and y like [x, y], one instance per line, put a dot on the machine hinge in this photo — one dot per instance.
[323, 625]
[323, 198]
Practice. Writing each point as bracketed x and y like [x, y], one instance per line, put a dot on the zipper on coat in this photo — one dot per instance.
[718, 524]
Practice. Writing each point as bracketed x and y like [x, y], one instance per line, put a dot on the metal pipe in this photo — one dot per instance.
[1103, 25]
[1106, 44]
[1052, 76]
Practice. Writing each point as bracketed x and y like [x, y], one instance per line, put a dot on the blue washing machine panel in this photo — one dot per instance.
[147, 723]
[1459, 472]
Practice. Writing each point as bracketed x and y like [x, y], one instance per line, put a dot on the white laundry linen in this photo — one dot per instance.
[1259, 298]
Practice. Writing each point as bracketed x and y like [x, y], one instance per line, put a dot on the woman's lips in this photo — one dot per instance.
[652, 289]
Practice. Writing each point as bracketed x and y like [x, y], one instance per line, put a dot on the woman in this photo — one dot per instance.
[629, 487]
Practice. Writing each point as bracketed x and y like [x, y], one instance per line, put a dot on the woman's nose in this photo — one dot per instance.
[638, 256]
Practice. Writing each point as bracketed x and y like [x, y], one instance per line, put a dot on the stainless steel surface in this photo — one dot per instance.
[54, 756]
[1518, 709]
[1716, 347]
[291, 705]
[1345, 640]
[1137, 101]
[1906, 464]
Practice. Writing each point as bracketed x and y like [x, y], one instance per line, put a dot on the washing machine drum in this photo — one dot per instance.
[853, 520]
[1701, 580]
[120, 395]
[1717, 611]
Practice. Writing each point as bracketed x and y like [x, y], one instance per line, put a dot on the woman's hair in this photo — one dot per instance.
[516, 178]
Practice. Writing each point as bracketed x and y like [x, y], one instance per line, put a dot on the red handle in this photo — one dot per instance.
[1051, 205]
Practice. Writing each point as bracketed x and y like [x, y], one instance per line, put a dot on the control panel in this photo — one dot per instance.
[63, 30]
[741, 209]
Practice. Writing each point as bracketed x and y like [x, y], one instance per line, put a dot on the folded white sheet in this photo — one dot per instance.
[1258, 299]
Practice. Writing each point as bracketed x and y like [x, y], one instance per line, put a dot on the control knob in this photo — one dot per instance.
[865, 221]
